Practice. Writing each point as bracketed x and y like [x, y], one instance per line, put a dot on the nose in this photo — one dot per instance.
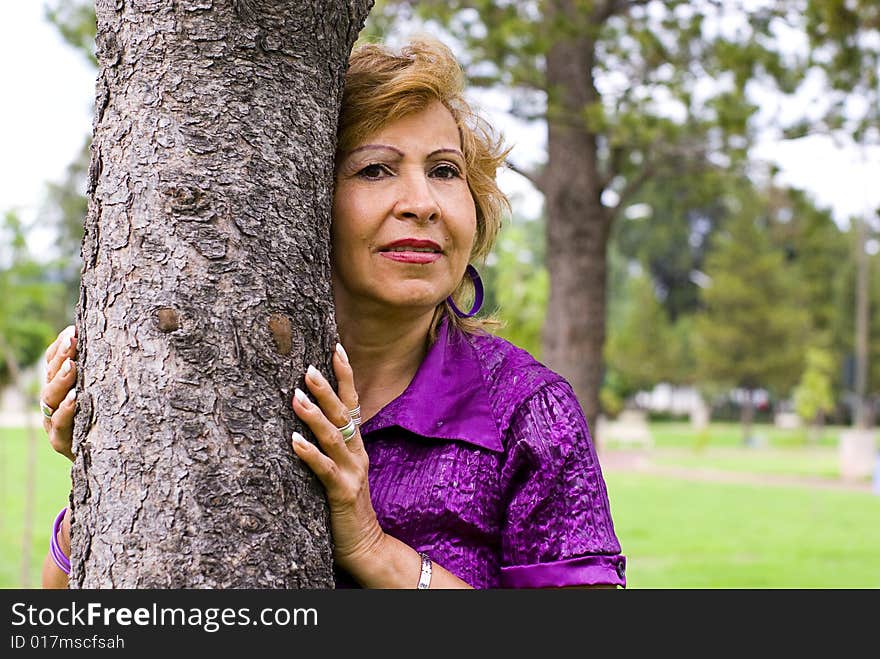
[416, 200]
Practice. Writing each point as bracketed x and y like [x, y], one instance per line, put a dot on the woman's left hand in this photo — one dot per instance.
[342, 467]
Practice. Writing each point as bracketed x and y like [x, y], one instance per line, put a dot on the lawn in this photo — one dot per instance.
[52, 485]
[675, 533]
[683, 534]
[669, 434]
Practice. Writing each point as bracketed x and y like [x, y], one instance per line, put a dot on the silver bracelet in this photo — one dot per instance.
[425, 578]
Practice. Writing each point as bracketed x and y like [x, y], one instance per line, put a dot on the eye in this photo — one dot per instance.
[446, 170]
[374, 171]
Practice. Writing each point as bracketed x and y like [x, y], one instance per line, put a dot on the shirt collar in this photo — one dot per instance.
[447, 398]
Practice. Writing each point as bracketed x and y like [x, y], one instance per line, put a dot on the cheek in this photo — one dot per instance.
[466, 227]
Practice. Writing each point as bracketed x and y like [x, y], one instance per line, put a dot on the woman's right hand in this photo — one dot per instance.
[59, 392]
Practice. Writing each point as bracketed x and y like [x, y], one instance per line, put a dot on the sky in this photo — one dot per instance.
[48, 91]
[46, 114]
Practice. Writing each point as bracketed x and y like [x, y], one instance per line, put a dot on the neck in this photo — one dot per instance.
[385, 348]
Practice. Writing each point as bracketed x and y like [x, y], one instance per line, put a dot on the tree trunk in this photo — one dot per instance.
[206, 292]
[577, 226]
[862, 321]
[747, 419]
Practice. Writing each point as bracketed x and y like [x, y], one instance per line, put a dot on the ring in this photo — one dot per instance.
[348, 430]
[47, 411]
[355, 415]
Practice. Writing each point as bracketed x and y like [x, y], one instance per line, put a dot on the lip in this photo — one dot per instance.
[413, 242]
[412, 257]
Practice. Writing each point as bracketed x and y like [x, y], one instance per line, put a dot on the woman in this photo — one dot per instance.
[450, 458]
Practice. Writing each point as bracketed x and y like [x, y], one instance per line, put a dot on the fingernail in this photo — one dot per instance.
[314, 373]
[341, 352]
[71, 395]
[299, 439]
[300, 396]
[66, 366]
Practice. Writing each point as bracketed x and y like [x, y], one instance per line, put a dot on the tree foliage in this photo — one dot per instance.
[516, 284]
[752, 329]
[29, 315]
[813, 395]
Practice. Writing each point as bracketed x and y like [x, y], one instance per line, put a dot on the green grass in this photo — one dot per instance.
[671, 434]
[679, 534]
[675, 533]
[822, 463]
[52, 487]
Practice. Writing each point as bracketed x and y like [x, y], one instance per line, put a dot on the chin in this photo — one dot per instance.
[413, 299]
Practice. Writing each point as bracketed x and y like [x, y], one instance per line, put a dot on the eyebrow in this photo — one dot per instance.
[400, 153]
[376, 146]
[455, 151]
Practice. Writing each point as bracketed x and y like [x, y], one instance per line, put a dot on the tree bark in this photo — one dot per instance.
[206, 292]
[578, 225]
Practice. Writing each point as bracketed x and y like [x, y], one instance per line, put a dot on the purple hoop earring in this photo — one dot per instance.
[471, 272]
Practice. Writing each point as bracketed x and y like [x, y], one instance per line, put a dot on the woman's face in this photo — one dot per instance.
[404, 220]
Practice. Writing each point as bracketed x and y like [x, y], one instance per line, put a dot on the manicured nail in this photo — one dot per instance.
[67, 340]
[314, 373]
[66, 366]
[299, 439]
[71, 396]
[300, 396]
[341, 351]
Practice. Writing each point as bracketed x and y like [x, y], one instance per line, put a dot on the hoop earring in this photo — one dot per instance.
[471, 272]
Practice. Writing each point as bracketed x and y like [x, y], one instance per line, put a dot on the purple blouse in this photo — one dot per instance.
[486, 464]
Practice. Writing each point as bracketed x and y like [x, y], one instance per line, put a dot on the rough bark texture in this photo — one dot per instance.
[578, 225]
[205, 292]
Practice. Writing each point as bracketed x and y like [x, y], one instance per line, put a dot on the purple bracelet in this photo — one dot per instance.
[61, 560]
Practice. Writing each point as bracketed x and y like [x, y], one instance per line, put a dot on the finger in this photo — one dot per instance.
[328, 435]
[65, 349]
[345, 376]
[329, 401]
[336, 411]
[323, 467]
[57, 388]
[53, 347]
[61, 431]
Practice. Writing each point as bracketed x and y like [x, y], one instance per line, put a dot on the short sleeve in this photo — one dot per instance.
[557, 529]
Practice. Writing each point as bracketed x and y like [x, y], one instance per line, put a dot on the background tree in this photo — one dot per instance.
[641, 347]
[668, 227]
[30, 290]
[516, 283]
[205, 292]
[751, 331]
[844, 49]
[813, 396]
[844, 322]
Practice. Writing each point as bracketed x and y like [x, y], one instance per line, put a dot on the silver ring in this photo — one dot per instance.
[355, 415]
[47, 411]
[348, 430]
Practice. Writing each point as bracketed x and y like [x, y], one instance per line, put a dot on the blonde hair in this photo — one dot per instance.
[382, 86]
